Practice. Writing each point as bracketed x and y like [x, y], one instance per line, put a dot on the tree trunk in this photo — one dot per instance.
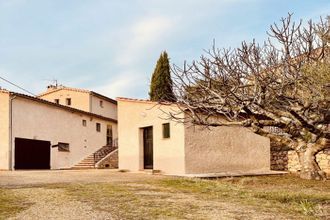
[309, 167]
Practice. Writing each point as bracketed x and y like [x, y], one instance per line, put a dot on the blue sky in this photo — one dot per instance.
[111, 46]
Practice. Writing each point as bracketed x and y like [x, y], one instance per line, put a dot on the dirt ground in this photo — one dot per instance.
[109, 194]
[25, 178]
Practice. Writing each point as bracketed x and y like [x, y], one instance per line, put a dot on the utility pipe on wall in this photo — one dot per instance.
[11, 154]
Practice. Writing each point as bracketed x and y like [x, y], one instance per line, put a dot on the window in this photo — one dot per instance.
[68, 101]
[84, 122]
[166, 130]
[57, 101]
[101, 104]
[62, 147]
[98, 127]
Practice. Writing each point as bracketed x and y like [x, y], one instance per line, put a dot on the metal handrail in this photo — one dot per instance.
[105, 150]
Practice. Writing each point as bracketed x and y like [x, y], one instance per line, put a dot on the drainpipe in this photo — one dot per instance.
[11, 154]
[90, 102]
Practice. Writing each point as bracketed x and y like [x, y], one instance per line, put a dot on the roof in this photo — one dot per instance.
[103, 97]
[3, 90]
[58, 88]
[144, 101]
[66, 108]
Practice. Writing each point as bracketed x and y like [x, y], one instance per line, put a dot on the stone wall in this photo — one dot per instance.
[287, 160]
[322, 158]
[278, 159]
[110, 162]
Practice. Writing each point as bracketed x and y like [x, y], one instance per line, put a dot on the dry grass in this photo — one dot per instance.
[271, 197]
[11, 204]
[287, 195]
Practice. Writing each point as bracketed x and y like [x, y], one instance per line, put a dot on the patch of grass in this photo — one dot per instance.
[11, 204]
[129, 202]
[184, 198]
[292, 197]
[307, 207]
[283, 194]
[286, 197]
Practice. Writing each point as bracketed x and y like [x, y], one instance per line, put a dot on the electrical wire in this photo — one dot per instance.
[11, 83]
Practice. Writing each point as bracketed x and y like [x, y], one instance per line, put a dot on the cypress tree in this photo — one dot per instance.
[161, 87]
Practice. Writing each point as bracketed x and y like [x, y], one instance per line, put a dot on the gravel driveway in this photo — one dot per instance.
[23, 178]
[55, 203]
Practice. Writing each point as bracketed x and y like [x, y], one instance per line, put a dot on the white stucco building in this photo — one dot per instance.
[38, 133]
[82, 99]
[149, 140]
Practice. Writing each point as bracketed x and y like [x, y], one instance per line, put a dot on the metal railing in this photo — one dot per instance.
[105, 150]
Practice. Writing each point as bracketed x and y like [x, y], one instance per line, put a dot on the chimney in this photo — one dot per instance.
[51, 87]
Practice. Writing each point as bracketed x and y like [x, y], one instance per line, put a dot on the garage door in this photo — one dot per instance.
[32, 154]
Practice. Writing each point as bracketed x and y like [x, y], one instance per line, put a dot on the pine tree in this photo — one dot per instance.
[161, 88]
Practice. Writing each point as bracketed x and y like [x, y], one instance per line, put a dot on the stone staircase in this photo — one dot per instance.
[90, 161]
[87, 163]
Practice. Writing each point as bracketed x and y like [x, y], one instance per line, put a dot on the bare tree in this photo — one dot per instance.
[278, 89]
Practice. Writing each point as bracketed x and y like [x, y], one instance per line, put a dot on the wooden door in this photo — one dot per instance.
[148, 148]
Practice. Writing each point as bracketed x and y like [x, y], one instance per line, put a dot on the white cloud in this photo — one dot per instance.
[136, 40]
[141, 37]
[124, 85]
[149, 30]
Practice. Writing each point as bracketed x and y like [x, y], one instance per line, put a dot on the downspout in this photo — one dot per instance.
[11, 98]
[90, 102]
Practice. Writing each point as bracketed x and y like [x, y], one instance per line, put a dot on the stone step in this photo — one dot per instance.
[89, 161]
[84, 165]
[86, 162]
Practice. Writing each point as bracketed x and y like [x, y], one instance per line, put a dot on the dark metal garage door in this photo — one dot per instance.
[32, 154]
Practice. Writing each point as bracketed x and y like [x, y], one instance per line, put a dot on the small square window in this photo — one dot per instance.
[166, 130]
[68, 101]
[101, 104]
[57, 101]
[63, 147]
[84, 122]
[98, 127]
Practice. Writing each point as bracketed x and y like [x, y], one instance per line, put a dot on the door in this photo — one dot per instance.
[148, 148]
[109, 135]
[32, 154]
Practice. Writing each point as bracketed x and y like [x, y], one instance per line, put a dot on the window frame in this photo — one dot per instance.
[68, 101]
[62, 147]
[84, 123]
[98, 127]
[166, 128]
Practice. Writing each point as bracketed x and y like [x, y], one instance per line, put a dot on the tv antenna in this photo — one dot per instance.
[52, 82]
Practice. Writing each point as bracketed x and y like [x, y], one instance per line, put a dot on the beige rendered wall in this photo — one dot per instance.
[225, 149]
[34, 120]
[4, 131]
[168, 154]
[79, 100]
[108, 110]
